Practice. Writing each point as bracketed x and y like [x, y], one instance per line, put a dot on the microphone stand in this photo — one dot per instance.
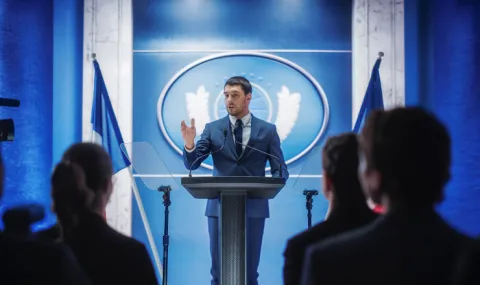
[166, 239]
[308, 195]
[267, 154]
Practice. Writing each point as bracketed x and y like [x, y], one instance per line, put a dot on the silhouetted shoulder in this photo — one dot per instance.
[329, 228]
[466, 270]
[397, 245]
[125, 242]
[308, 236]
[30, 262]
[343, 242]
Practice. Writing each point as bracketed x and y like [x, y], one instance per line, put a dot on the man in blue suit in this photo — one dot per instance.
[241, 127]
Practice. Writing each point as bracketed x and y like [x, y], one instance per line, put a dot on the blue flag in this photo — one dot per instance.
[105, 127]
[373, 97]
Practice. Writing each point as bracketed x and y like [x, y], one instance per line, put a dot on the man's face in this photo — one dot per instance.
[236, 101]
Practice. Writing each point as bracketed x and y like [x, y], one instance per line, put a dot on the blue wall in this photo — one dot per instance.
[67, 74]
[27, 70]
[443, 74]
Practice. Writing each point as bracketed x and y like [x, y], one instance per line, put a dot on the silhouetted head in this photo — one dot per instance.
[405, 156]
[340, 175]
[82, 181]
[238, 94]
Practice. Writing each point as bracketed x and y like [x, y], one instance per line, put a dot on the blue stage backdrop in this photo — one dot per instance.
[26, 52]
[442, 63]
[301, 73]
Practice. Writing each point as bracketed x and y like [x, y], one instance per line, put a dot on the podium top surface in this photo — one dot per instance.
[252, 186]
[233, 181]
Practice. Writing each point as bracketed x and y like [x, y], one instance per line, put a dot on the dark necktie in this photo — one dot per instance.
[238, 132]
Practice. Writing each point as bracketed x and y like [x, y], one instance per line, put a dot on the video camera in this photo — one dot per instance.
[7, 127]
[19, 220]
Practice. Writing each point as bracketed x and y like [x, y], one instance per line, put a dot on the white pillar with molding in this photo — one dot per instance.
[108, 32]
[378, 25]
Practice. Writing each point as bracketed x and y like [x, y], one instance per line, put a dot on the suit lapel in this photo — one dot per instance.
[229, 144]
[254, 131]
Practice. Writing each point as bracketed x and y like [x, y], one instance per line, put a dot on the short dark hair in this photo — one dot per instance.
[93, 161]
[84, 172]
[411, 150]
[340, 164]
[242, 81]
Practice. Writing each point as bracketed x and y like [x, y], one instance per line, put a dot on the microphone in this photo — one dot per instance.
[207, 154]
[9, 102]
[268, 154]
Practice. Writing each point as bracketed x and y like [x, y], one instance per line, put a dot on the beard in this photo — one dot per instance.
[234, 111]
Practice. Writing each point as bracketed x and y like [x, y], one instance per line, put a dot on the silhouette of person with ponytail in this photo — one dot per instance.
[81, 188]
[24, 261]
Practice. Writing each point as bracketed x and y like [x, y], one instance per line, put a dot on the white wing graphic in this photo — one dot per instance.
[288, 108]
[197, 107]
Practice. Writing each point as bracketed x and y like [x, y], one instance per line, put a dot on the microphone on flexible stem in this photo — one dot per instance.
[268, 154]
[207, 154]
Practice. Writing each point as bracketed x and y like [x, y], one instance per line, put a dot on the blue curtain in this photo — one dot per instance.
[26, 65]
[443, 74]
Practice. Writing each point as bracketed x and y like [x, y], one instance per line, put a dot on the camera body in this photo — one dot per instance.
[7, 126]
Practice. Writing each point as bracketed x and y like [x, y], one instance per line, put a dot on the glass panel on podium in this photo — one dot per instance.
[149, 167]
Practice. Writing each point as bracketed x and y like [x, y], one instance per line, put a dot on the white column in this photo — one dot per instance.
[378, 25]
[108, 32]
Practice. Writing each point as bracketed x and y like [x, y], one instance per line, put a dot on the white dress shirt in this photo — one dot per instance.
[247, 128]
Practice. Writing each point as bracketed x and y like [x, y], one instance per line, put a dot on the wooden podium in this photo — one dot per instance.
[233, 192]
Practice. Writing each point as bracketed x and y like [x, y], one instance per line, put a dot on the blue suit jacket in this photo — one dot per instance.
[226, 162]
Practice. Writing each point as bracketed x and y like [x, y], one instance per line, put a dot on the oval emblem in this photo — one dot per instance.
[283, 94]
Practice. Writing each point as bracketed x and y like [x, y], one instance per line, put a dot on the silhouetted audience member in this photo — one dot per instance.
[405, 163]
[51, 234]
[348, 207]
[17, 221]
[467, 270]
[81, 188]
[27, 262]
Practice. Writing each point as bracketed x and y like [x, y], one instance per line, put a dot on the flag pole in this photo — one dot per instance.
[143, 215]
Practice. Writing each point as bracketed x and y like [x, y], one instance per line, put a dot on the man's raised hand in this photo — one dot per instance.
[189, 133]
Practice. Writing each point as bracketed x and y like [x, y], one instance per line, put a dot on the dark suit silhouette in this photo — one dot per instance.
[28, 262]
[467, 270]
[340, 220]
[109, 257]
[404, 247]
[51, 234]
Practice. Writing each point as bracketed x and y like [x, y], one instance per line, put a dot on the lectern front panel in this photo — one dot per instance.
[233, 192]
[233, 239]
